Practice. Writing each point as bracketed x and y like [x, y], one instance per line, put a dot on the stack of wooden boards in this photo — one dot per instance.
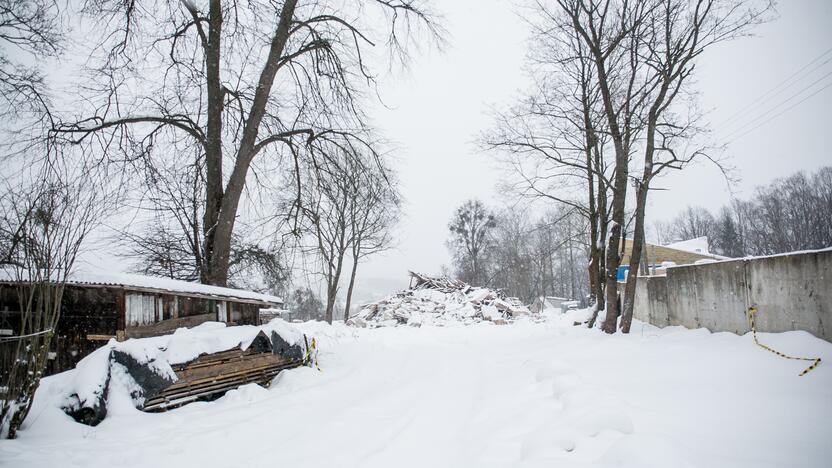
[211, 375]
[157, 384]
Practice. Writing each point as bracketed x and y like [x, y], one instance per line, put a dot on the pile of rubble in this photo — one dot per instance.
[439, 301]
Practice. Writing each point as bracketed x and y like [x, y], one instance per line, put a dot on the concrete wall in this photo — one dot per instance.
[791, 292]
[651, 300]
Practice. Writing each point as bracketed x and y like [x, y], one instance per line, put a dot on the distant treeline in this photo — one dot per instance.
[524, 255]
[791, 213]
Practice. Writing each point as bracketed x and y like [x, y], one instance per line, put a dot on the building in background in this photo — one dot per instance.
[658, 257]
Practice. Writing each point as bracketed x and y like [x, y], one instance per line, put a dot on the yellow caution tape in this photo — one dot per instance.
[816, 361]
[308, 354]
[315, 347]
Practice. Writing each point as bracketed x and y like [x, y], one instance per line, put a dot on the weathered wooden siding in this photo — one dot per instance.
[85, 312]
[91, 315]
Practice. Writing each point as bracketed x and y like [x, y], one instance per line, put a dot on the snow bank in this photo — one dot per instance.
[441, 302]
[531, 395]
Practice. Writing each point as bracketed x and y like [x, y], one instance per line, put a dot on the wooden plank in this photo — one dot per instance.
[181, 397]
[238, 378]
[167, 326]
[173, 397]
[229, 367]
[93, 337]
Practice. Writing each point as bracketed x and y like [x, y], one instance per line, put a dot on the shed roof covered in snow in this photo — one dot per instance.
[680, 253]
[136, 282]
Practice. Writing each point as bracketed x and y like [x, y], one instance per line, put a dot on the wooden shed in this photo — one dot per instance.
[98, 307]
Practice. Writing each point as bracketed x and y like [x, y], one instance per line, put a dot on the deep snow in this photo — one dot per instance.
[526, 394]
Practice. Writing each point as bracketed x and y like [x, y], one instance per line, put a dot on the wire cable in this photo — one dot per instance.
[776, 107]
[780, 113]
[775, 88]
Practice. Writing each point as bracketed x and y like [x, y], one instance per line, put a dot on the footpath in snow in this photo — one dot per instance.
[526, 394]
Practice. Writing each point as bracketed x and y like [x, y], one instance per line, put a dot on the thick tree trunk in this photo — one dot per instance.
[331, 294]
[602, 231]
[635, 260]
[221, 207]
[332, 288]
[613, 257]
[350, 289]
[613, 260]
[619, 198]
[641, 208]
[213, 149]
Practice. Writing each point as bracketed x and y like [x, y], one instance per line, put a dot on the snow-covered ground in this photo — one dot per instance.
[527, 394]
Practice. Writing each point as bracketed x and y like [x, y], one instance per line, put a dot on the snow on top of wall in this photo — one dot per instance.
[758, 257]
[130, 280]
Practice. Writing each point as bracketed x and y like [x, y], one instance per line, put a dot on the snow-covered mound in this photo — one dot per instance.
[113, 367]
[439, 301]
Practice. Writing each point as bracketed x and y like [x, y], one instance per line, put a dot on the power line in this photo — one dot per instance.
[780, 113]
[775, 88]
[778, 105]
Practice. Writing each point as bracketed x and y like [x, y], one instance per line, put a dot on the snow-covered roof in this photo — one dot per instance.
[134, 281]
[698, 245]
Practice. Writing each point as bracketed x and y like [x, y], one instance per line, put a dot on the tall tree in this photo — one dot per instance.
[611, 32]
[675, 34]
[555, 138]
[373, 212]
[326, 210]
[471, 229]
[726, 238]
[692, 222]
[240, 84]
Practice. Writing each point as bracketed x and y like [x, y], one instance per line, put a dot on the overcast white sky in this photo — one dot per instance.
[442, 103]
[438, 107]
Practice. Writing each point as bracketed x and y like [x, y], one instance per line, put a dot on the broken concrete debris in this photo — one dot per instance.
[439, 301]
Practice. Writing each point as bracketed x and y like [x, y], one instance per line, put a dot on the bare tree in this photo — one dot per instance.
[610, 32]
[373, 211]
[32, 27]
[556, 139]
[692, 222]
[726, 235]
[241, 86]
[43, 227]
[540, 257]
[514, 267]
[674, 34]
[471, 229]
[160, 251]
[326, 210]
[349, 209]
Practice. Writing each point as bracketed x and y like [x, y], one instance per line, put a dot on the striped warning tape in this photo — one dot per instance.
[752, 311]
[311, 353]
